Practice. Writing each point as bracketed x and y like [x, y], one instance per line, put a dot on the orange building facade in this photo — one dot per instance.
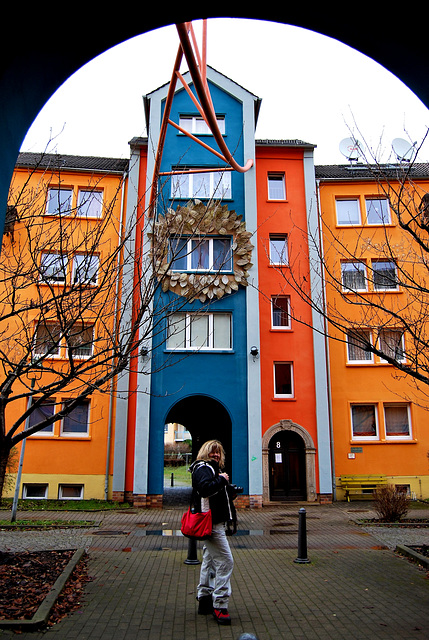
[72, 458]
[293, 421]
[379, 415]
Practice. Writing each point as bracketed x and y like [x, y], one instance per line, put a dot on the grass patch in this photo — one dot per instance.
[65, 505]
[46, 524]
[181, 475]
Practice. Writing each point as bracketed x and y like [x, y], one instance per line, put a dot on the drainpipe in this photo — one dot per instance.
[325, 330]
[112, 382]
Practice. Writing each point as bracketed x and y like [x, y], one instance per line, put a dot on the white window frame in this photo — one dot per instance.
[283, 395]
[360, 268]
[81, 356]
[276, 186]
[279, 259]
[341, 221]
[186, 319]
[399, 436]
[67, 484]
[51, 269]
[59, 211]
[374, 272]
[38, 354]
[27, 485]
[198, 126]
[90, 202]
[183, 185]
[46, 432]
[380, 220]
[374, 405]
[190, 248]
[381, 339]
[369, 356]
[79, 260]
[77, 434]
[280, 327]
[62, 349]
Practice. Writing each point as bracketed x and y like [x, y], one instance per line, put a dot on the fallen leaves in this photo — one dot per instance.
[26, 579]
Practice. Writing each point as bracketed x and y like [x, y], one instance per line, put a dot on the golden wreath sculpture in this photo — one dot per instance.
[200, 220]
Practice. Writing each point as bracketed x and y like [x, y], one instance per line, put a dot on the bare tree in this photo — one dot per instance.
[82, 296]
[362, 266]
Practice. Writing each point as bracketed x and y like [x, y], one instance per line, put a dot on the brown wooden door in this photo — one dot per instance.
[287, 467]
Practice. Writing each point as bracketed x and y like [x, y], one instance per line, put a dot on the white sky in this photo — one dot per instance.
[312, 88]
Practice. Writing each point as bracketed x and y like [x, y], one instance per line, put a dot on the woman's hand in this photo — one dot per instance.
[224, 475]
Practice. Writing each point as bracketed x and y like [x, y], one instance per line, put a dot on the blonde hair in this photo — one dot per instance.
[209, 447]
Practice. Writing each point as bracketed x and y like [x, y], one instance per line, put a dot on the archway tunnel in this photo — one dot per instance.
[206, 419]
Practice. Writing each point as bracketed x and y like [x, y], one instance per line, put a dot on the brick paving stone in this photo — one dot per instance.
[354, 588]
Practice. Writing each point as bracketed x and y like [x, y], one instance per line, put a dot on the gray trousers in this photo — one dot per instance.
[216, 568]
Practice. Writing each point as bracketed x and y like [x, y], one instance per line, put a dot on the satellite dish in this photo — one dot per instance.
[351, 149]
[403, 149]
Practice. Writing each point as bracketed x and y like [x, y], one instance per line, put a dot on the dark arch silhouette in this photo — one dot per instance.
[206, 419]
[39, 50]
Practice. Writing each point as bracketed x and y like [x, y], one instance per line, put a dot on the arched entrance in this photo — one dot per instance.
[288, 463]
[206, 419]
[287, 467]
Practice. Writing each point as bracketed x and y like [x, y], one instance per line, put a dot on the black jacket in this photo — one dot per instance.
[207, 483]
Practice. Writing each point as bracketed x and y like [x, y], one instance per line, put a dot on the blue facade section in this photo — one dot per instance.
[203, 379]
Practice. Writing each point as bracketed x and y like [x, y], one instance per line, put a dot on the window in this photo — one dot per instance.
[353, 276]
[276, 186]
[209, 184]
[377, 211]
[80, 341]
[90, 203]
[392, 344]
[397, 421]
[45, 410]
[76, 422]
[85, 269]
[197, 124]
[47, 340]
[59, 201]
[364, 421]
[280, 312]
[384, 275]
[195, 331]
[278, 249]
[70, 492]
[53, 268]
[201, 254]
[357, 346]
[283, 382]
[50, 341]
[34, 491]
[348, 211]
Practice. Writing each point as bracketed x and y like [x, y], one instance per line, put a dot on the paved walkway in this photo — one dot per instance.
[355, 586]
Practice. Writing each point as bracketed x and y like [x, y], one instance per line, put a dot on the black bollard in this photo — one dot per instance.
[192, 552]
[302, 538]
[172, 480]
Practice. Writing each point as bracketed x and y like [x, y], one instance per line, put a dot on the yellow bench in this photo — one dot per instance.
[361, 486]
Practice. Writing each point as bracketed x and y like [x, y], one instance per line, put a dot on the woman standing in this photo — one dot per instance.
[211, 490]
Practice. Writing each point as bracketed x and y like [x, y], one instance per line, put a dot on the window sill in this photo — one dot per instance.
[372, 292]
[283, 399]
[200, 351]
[360, 225]
[276, 201]
[278, 265]
[59, 437]
[360, 441]
[281, 330]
